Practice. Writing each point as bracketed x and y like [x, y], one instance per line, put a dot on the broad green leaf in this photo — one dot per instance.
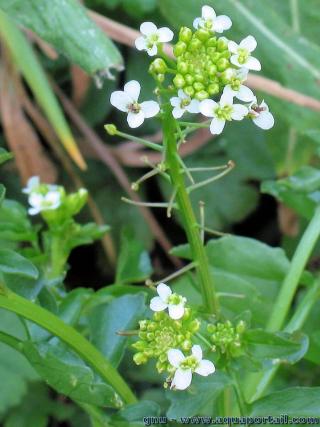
[15, 371]
[134, 264]
[271, 349]
[294, 402]
[29, 65]
[5, 156]
[194, 401]
[14, 223]
[11, 263]
[72, 305]
[300, 191]
[71, 32]
[64, 371]
[105, 320]
[37, 407]
[247, 274]
[135, 415]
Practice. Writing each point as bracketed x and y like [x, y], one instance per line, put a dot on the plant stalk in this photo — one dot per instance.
[21, 306]
[209, 296]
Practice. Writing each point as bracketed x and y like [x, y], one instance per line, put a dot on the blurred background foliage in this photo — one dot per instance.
[61, 59]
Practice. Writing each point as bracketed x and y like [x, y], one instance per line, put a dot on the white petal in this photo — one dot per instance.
[175, 101]
[120, 100]
[157, 304]
[148, 28]
[165, 34]
[135, 119]
[197, 22]
[193, 107]
[265, 120]
[177, 112]
[208, 13]
[152, 51]
[176, 311]
[150, 108]
[245, 94]
[175, 357]
[182, 95]
[233, 47]
[52, 197]
[239, 112]
[182, 379]
[228, 88]
[207, 107]
[164, 291]
[242, 74]
[32, 183]
[264, 106]
[205, 368]
[249, 43]
[34, 211]
[235, 60]
[226, 98]
[132, 89]
[141, 43]
[35, 199]
[222, 23]
[217, 126]
[197, 352]
[253, 64]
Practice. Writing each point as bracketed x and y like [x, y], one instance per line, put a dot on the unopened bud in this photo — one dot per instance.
[111, 129]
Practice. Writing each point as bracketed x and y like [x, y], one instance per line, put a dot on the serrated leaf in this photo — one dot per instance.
[70, 32]
[105, 320]
[68, 374]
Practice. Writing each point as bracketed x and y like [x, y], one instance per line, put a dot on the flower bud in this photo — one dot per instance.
[221, 45]
[158, 66]
[202, 34]
[185, 34]
[202, 95]
[189, 91]
[179, 81]
[179, 48]
[182, 67]
[213, 89]
[223, 64]
[111, 129]
[160, 78]
[140, 359]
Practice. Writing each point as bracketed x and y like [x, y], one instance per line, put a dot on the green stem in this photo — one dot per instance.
[11, 341]
[142, 141]
[291, 282]
[209, 296]
[258, 383]
[50, 322]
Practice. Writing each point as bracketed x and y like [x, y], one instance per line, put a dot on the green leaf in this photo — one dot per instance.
[134, 415]
[203, 391]
[2, 193]
[64, 371]
[13, 264]
[246, 272]
[71, 32]
[15, 224]
[105, 320]
[5, 156]
[72, 305]
[15, 371]
[134, 264]
[271, 349]
[294, 402]
[300, 191]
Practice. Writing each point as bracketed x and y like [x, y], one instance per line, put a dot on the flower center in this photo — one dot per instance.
[235, 84]
[243, 55]
[208, 24]
[175, 299]
[189, 362]
[152, 40]
[224, 113]
[184, 103]
[134, 108]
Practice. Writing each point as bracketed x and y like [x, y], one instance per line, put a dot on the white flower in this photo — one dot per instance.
[127, 101]
[222, 111]
[151, 36]
[186, 366]
[261, 115]
[182, 103]
[166, 299]
[43, 202]
[242, 54]
[236, 88]
[210, 21]
[32, 184]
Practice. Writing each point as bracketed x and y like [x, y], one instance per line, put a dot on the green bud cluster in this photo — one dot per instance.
[202, 60]
[226, 338]
[161, 334]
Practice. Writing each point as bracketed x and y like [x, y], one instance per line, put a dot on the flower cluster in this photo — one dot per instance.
[205, 66]
[169, 337]
[226, 338]
[52, 201]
